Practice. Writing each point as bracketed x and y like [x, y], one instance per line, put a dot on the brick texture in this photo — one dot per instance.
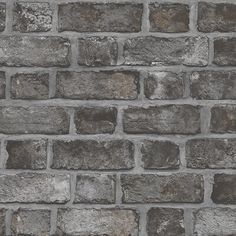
[117, 118]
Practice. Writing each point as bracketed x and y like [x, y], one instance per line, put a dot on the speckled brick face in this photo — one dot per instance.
[117, 118]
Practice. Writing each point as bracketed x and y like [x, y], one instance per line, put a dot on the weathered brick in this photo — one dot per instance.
[165, 221]
[164, 85]
[32, 17]
[97, 51]
[26, 154]
[42, 51]
[211, 153]
[169, 18]
[33, 119]
[2, 16]
[167, 119]
[2, 84]
[30, 85]
[95, 188]
[35, 187]
[223, 119]
[96, 17]
[225, 51]
[2, 221]
[112, 222]
[216, 17]
[150, 188]
[213, 85]
[95, 120]
[98, 85]
[160, 155]
[30, 222]
[215, 221]
[93, 155]
[150, 50]
[224, 189]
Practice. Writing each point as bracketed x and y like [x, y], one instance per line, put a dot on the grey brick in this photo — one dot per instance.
[2, 221]
[2, 16]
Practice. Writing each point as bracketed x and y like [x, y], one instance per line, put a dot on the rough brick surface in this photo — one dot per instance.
[2, 16]
[2, 221]
[2, 85]
[80, 154]
[99, 17]
[97, 85]
[165, 221]
[23, 220]
[111, 222]
[149, 188]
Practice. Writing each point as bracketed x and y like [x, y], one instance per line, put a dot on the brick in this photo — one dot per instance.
[2, 84]
[34, 120]
[26, 154]
[93, 155]
[95, 188]
[216, 17]
[165, 221]
[30, 222]
[112, 222]
[169, 18]
[215, 221]
[211, 153]
[97, 51]
[95, 120]
[160, 155]
[150, 50]
[2, 16]
[34, 188]
[32, 17]
[2, 221]
[224, 189]
[42, 51]
[213, 85]
[225, 51]
[223, 119]
[100, 17]
[30, 85]
[164, 85]
[166, 119]
[150, 188]
[98, 85]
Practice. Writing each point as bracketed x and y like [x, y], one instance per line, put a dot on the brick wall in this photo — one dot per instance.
[118, 118]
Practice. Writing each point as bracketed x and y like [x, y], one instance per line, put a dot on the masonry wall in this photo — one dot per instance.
[118, 118]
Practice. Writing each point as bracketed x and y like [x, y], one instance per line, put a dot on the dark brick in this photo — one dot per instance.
[216, 17]
[214, 221]
[165, 221]
[42, 51]
[2, 16]
[34, 120]
[150, 188]
[27, 154]
[167, 119]
[34, 188]
[98, 51]
[95, 188]
[95, 120]
[164, 85]
[169, 18]
[30, 85]
[213, 85]
[223, 119]
[2, 84]
[30, 222]
[111, 221]
[2, 221]
[150, 50]
[32, 17]
[160, 155]
[225, 51]
[211, 153]
[96, 17]
[224, 189]
[98, 85]
[93, 155]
